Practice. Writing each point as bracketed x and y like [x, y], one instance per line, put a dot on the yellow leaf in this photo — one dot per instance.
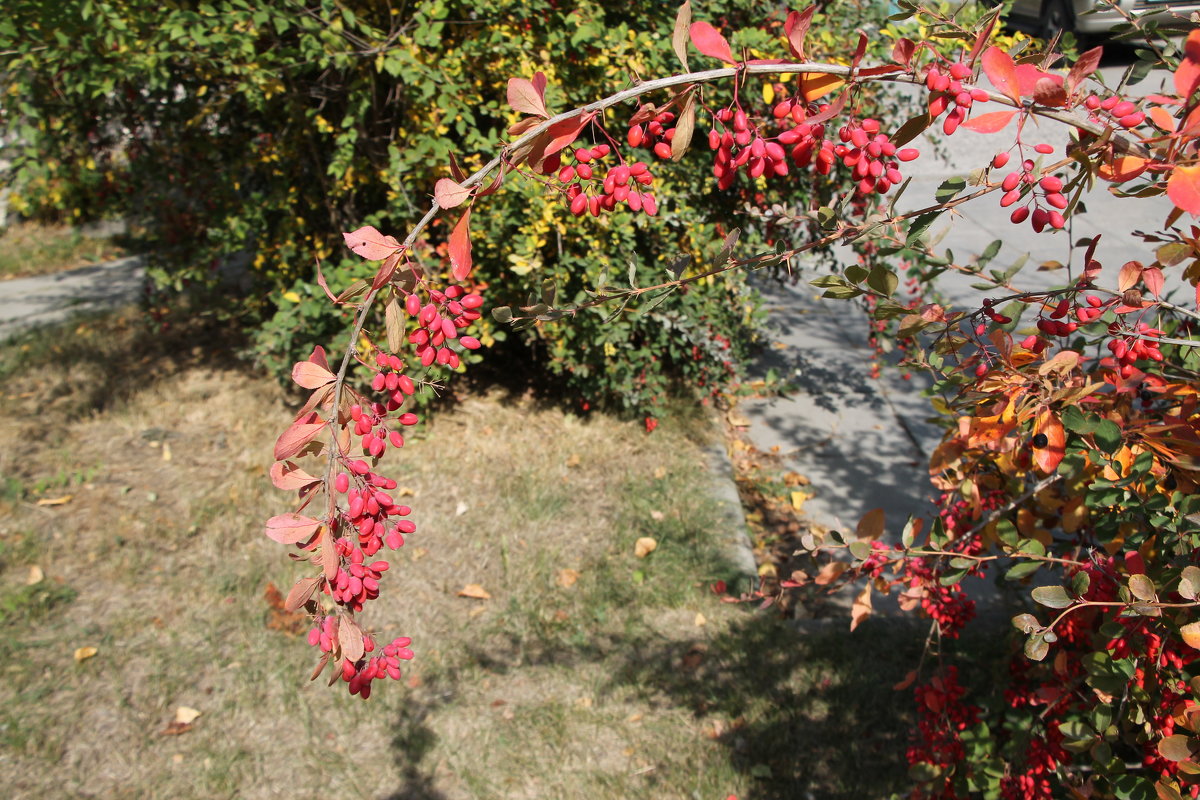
[768, 93]
[185, 715]
[291, 297]
[767, 571]
[700, 620]
[573, 460]
[645, 546]
[798, 499]
[166, 451]
[1191, 635]
[55, 501]
[84, 653]
[475, 591]
[35, 575]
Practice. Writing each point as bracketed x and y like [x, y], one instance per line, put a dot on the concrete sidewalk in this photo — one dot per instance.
[45, 299]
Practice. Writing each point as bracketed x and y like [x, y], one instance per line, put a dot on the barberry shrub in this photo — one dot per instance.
[1071, 458]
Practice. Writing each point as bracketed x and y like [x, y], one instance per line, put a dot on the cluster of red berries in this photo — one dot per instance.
[621, 183]
[372, 424]
[1114, 110]
[370, 509]
[655, 134]
[1042, 758]
[942, 717]
[947, 92]
[391, 379]
[948, 606]
[1056, 323]
[1049, 187]
[439, 322]
[871, 156]
[738, 145]
[1129, 348]
[356, 583]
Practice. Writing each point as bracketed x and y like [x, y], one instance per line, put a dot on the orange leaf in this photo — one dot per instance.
[474, 591]
[861, 608]
[1187, 76]
[815, 86]
[1122, 168]
[1162, 118]
[1128, 277]
[1047, 458]
[990, 122]
[1183, 187]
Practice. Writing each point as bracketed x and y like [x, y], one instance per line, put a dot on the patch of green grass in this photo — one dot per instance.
[32, 603]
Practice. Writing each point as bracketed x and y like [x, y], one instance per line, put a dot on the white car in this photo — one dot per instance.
[1096, 17]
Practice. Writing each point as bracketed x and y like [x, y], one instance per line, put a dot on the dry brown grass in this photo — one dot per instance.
[31, 248]
[607, 688]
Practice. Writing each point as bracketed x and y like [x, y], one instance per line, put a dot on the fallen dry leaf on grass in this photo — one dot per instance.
[474, 591]
[657, 516]
[184, 717]
[55, 501]
[35, 575]
[84, 653]
[567, 577]
[645, 546]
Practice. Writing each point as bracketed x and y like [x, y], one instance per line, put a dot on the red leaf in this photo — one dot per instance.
[291, 528]
[1187, 76]
[1002, 72]
[318, 357]
[371, 244]
[293, 440]
[1084, 66]
[1028, 77]
[902, 52]
[310, 375]
[526, 97]
[990, 122]
[449, 194]
[710, 42]
[1183, 188]
[1047, 458]
[796, 27]
[460, 248]
[386, 270]
[287, 476]
[1153, 278]
[1049, 92]
[564, 132]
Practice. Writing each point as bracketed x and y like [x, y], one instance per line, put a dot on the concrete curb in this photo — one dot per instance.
[733, 537]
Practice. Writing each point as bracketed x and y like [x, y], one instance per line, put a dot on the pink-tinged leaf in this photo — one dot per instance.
[525, 97]
[1028, 76]
[710, 42]
[329, 559]
[982, 38]
[387, 269]
[679, 37]
[320, 397]
[990, 122]
[1084, 66]
[318, 357]
[795, 27]
[1187, 76]
[456, 170]
[523, 125]
[859, 51]
[310, 375]
[1002, 72]
[288, 477]
[450, 194]
[371, 244]
[300, 592]
[902, 51]
[351, 638]
[324, 284]
[1183, 187]
[291, 528]
[1153, 278]
[293, 440]
[460, 248]
[1047, 458]
[1128, 277]
[882, 69]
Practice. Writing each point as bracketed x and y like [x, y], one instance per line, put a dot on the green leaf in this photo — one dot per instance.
[1036, 647]
[1107, 436]
[1052, 597]
[1026, 623]
[949, 189]
[1075, 420]
[502, 314]
[1022, 570]
[883, 280]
